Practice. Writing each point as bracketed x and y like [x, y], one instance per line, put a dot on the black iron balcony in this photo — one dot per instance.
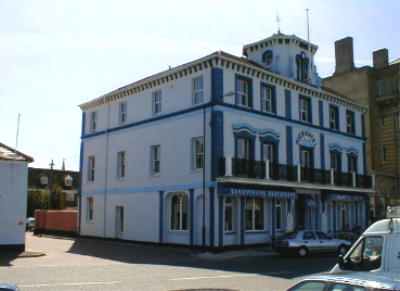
[243, 168]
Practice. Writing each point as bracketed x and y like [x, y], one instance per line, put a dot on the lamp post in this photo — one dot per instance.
[51, 198]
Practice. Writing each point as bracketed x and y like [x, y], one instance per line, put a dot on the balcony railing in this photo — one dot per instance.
[278, 172]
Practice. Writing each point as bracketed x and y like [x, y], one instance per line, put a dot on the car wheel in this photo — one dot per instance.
[302, 252]
[342, 250]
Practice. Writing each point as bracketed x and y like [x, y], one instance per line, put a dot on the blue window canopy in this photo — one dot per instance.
[268, 134]
[346, 197]
[255, 193]
[335, 147]
[240, 127]
[352, 151]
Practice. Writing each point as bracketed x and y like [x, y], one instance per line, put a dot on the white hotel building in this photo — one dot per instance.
[224, 151]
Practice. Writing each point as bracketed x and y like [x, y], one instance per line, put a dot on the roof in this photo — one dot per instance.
[208, 61]
[397, 61]
[9, 154]
[279, 36]
[376, 280]
[384, 226]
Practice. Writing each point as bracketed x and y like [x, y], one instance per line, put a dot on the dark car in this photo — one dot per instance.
[305, 242]
[8, 287]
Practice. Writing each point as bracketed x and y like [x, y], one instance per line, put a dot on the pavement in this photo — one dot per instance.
[92, 264]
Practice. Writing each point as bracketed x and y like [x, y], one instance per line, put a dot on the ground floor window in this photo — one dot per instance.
[254, 214]
[119, 215]
[179, 212]
[278, 215]
[228, 215]
[90, 209]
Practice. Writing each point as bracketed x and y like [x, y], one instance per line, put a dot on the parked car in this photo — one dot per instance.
[8, 287]
[30, 224]
[304, 242]
[349, 282]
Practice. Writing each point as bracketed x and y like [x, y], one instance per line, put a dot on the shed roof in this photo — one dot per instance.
[9, 154]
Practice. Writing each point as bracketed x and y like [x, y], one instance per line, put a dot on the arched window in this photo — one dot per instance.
[179, 212]
[267, 57]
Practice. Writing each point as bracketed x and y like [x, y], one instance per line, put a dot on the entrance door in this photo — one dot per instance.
[119, 221]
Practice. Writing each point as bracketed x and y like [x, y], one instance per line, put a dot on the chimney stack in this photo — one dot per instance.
[380, 58]
[344, 55]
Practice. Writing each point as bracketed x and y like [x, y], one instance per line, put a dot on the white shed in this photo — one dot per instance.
[13, 197]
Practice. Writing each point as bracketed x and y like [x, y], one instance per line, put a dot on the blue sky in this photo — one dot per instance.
[55, 55]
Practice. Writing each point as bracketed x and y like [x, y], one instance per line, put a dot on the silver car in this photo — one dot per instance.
[363, 281]
[304, 242]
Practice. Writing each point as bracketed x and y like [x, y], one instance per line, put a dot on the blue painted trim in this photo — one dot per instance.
[306, 124]
[161, 216]
[288, 104]
[322, 150]
[152, 189]
[212, 214]
[289, 145]
[152, 119]
[237, 127]
[321, 113]
[242, 220]
[217, 84]
[191, 198]
[220, 221]
[217, 141]
[225, 105]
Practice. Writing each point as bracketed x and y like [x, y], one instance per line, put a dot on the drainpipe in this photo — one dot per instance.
[204, 179]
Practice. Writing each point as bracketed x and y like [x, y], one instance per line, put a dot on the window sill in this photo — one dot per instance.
[256, 231]
[196, 171]
[229, 232]
[157, 175]
[178, 231]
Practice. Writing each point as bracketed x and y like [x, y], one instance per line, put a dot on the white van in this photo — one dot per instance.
[377, 249]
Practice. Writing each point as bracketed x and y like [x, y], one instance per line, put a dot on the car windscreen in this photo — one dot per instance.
[310, 286]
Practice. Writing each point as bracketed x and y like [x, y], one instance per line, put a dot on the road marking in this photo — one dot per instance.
[213, 277]
[68, 284]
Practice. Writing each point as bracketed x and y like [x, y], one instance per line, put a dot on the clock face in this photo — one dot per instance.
[267, 57]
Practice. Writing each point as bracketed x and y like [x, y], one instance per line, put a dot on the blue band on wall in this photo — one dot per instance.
[161, 216]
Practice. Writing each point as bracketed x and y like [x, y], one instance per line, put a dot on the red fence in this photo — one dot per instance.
[56, 221]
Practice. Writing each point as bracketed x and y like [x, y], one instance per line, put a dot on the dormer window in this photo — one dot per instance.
[302, 63]
[267, 57]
